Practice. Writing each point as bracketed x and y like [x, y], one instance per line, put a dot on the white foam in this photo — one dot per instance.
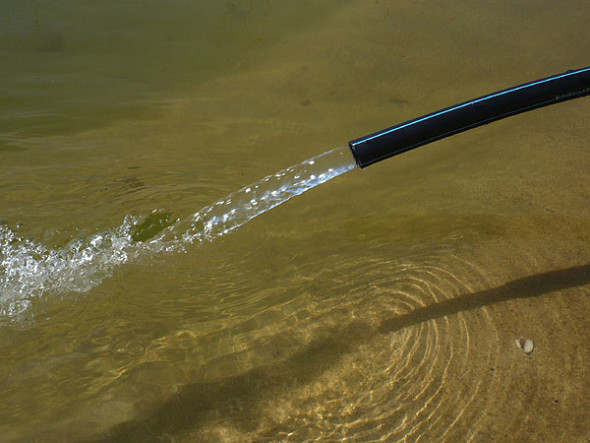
[29, 269]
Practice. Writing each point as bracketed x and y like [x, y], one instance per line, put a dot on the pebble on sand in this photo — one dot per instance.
[525, 345]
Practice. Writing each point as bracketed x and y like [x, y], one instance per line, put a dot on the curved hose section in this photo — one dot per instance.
[397, 139]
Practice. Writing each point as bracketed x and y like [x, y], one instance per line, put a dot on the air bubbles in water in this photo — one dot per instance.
[29, 269]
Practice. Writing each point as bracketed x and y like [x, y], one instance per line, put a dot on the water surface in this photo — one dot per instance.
[382, 305]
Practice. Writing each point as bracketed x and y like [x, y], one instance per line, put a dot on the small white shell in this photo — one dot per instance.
[525, 345]
[528, 346]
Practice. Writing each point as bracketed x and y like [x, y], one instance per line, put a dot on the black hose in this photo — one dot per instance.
[471, 114]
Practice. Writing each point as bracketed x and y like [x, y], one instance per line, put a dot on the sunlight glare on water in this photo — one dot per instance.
[30, 269]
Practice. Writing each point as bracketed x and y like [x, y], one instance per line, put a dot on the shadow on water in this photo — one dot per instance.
[526, 287]
[239, 399]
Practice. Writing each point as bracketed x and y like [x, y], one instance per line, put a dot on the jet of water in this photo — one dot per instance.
[29, 269]
[256, 199]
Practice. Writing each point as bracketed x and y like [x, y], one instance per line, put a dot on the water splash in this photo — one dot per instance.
[30, 269]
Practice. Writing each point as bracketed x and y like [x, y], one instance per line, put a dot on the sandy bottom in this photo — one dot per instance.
[390, 304]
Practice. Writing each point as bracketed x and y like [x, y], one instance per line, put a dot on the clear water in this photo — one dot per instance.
[30, 269]
[383, 305]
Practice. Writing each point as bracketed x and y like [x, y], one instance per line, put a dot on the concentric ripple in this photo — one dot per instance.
[416, 349]
[368, 361]
[391, 387]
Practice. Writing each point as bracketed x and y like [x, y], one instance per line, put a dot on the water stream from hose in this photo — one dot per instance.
[30, 269]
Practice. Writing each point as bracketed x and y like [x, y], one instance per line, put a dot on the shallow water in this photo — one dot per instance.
[384, 304]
